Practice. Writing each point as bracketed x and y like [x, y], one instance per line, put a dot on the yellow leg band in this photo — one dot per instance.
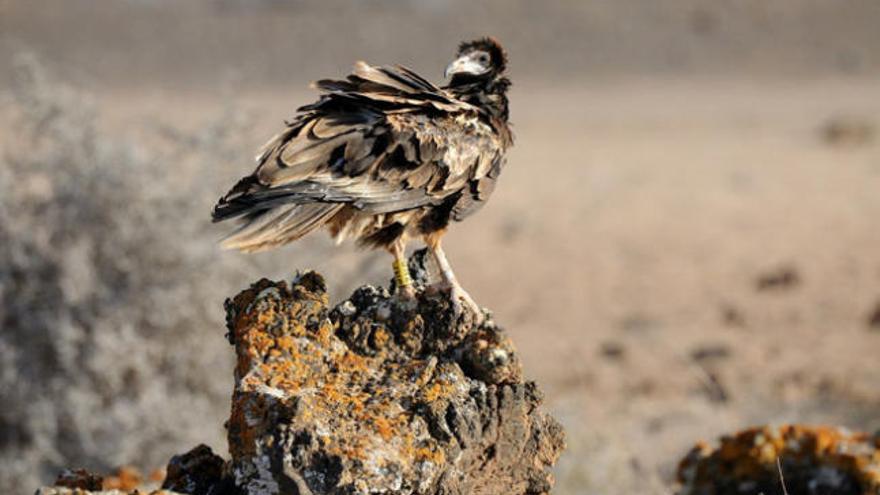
[401, 273]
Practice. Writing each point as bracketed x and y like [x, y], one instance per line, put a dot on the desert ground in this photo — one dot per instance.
[675, 257]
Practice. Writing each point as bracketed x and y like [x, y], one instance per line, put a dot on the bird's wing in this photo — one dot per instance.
[383, 140]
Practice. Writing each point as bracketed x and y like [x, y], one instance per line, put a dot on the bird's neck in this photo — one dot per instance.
[489, 95]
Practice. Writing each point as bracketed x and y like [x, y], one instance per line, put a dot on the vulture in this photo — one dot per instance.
[382, 157]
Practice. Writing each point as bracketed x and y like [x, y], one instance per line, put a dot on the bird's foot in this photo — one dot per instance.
[406, 295]
[460, 300]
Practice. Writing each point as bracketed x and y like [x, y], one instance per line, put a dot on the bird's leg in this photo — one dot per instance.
[457, 294]
[401, 270]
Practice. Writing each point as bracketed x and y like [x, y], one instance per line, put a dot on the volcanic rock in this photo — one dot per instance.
[792, 459]
[379, 395]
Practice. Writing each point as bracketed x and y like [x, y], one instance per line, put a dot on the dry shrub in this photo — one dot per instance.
[111, 350]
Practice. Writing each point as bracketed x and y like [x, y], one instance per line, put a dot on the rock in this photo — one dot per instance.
[82, 482]
[79, 478]
[125, 478]
[710, 352]
[732, 316]
[613, 350]
[781, 278]
[813, 460]
[198, 472]
[379, 396]
[874, 318]
[848, 131]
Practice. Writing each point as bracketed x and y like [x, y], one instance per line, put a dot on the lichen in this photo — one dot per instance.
[828, 459]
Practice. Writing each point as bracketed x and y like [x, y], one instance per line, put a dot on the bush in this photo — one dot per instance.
[109, 290]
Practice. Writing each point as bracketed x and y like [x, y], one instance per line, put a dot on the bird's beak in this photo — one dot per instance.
[464, 65]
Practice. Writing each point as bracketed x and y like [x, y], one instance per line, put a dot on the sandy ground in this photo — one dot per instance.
[625, 250]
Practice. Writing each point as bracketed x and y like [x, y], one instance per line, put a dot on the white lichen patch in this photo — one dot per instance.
[255, 476]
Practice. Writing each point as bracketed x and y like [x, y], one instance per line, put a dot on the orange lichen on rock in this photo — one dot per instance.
[371, 394]
[126, 478]
[158, 475]
[436, 456]
[383, 426]
[436, 390]
[818, 459]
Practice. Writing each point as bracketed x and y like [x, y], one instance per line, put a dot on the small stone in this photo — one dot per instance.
[874, 318]
[347, 308]
[383, 313]
[781, 278]
[79, 478]
[710, 352]
[732, 316]
[614, 351]
[848, 131]
[196, 472]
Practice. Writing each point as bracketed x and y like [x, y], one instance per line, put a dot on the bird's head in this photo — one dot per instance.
[482, 58]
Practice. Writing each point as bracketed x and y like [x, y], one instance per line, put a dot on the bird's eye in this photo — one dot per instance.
[484, 59]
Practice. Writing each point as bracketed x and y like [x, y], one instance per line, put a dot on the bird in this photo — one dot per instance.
[383, 157]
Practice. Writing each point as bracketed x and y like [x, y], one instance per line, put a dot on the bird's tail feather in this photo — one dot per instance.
[279, 225]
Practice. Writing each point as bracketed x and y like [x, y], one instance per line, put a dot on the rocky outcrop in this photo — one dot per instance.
[787, 459]
[373, 396]
[379, 396]
[199, 471]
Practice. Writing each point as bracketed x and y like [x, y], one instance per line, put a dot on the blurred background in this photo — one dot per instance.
[685, 242]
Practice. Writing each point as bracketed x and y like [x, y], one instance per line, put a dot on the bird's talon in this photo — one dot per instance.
[459, 299]
[406, 293]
